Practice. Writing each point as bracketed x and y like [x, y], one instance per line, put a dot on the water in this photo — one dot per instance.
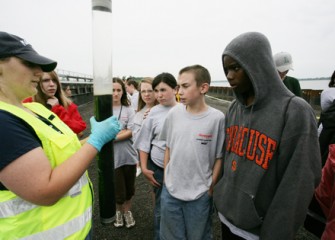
[102, 47]
[318, 84]
[314, 84]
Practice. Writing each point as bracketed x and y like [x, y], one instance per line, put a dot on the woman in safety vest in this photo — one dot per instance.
[45, 192]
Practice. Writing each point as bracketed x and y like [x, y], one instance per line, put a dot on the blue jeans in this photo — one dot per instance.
[158, 175]
[186, 219]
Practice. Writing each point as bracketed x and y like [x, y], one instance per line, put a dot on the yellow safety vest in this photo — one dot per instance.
[71, 216]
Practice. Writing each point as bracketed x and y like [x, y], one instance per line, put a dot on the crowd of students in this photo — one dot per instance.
[258, 165]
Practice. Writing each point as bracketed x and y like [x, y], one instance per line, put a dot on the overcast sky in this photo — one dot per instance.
[154, 36]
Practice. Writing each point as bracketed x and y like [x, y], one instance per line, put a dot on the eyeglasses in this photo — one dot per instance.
[146, 91]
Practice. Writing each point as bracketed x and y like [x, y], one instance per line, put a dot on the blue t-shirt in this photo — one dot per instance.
[16, 139]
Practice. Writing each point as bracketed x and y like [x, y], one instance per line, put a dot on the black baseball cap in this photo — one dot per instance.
[14, 46]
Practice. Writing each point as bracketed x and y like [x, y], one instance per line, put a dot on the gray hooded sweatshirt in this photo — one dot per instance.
[272, 159]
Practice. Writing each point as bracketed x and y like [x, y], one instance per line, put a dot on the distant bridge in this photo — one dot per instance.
[81, 85]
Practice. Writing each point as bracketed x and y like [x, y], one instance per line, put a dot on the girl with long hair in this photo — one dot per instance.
[146, 100]
[51, 95]
[125, 156]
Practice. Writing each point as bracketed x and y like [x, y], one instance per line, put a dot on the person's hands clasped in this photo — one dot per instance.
[103, 132]
[53, 101]
[149, 174]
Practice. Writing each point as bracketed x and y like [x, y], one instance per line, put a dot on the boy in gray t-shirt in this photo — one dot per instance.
[193, 157]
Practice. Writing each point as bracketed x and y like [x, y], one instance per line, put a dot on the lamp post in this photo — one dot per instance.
[103, 93]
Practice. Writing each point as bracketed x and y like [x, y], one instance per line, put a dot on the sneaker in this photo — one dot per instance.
[118, 219]
[138, 171]
[128, 217]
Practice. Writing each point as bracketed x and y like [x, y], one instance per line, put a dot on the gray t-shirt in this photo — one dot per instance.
[195, 142]
[134, 100]
[124, 152]
[138, 120]
[327, 98]
[147, 139]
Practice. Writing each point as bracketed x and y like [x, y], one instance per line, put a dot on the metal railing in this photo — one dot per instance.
[69, 76]
[310, 95]
[81, 85]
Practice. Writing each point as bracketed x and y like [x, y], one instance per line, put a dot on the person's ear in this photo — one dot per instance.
[204, 88]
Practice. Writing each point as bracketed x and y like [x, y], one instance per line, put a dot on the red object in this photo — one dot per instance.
[325, 194]
[69, 116]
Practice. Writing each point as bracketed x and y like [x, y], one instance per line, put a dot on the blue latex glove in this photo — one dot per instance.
[103, 132]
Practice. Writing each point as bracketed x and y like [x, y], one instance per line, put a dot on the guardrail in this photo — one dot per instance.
[69, 76]
[81, 85]
[310, 95]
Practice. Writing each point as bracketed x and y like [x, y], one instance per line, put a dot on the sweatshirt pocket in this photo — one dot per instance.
[236, 205]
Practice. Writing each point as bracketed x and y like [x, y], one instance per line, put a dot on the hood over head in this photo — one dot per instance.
[253, 52]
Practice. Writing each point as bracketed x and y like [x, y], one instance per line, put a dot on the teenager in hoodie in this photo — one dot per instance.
[272, 159]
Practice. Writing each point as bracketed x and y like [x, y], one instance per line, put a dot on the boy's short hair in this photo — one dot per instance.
[132, 82]
[201, 74]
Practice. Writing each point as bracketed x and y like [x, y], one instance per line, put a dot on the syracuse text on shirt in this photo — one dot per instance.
[255, 145]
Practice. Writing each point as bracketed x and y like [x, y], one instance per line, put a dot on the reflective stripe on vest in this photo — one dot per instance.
[6, 208]
[71, 216]
[65, 230]
[17, 205]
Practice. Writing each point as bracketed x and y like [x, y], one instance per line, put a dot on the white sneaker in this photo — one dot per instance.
[138, 171]
[118, 219]
[128, 217]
